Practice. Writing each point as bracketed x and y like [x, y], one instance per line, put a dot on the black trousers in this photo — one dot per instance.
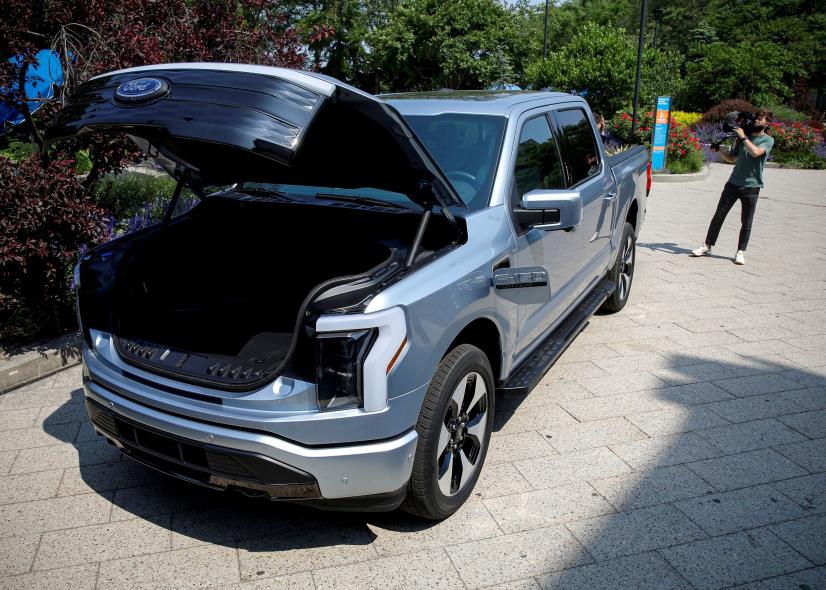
[748, 201]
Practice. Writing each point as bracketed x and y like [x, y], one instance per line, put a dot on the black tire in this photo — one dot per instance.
[425, 495]
[622, 273]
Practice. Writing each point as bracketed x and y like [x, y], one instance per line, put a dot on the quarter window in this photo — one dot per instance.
[537, 160]
[581, 153]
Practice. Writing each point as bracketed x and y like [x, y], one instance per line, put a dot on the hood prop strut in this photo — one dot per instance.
[173, 203]
[417, 243]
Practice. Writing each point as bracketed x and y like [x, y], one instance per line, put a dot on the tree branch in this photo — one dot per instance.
[24, 108]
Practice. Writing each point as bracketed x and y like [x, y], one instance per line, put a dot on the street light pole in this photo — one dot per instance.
[545, 38]
[643, 10]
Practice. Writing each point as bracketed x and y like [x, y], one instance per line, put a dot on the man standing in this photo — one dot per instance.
[748, 155]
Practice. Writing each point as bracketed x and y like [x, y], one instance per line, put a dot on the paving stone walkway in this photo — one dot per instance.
[678, 444]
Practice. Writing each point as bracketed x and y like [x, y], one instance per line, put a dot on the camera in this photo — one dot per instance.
[742, 119]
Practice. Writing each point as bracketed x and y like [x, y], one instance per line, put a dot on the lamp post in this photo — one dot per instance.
[643, 11]
[545, 36]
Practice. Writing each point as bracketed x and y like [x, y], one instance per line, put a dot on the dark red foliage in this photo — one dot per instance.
[45, 213]
[46, 217]
[719, 111]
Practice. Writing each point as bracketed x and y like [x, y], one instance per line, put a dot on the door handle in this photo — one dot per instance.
[610, 197]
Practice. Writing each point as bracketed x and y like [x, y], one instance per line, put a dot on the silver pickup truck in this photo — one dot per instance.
[331, 321]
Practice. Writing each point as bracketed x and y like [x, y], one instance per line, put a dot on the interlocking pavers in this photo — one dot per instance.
[15, 419]
[517, 556]
[26, 518]
[809, 399]
[809, 492]
[398, 534]
[587, 435]
[740, 510]
[17, 554]
[636, 531]
[514, 447]
[427, 569]
[106, 476]
[675, 421]
[7, 459]
[298, 551]
[807, 535]
[530, 510]
[646, 571]
[302, 581]
[749, 436]
[746, 469]
[83, 577]
[810, 579]
[565, 468]
[746, 409]
[182, 570]
[733, 559]
[29, 486]
[103, 542]
[810, 424]
[693, 373]
[65, 455]
[652, 486]
[810, 455]
[757, 384]
[27, 438]
[501, 479]
[663, 451]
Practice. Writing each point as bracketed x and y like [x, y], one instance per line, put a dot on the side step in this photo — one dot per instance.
[530, 371]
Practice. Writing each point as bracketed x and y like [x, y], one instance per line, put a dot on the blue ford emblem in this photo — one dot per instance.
[141, 90]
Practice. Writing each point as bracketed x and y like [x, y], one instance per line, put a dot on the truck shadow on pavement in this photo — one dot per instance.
[650, 494]
[674, 248]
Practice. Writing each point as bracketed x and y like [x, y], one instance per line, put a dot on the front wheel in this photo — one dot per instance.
[622, 273]
[454, 432]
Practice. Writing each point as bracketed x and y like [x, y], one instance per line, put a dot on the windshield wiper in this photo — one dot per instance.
[273, 194]
[360, 201]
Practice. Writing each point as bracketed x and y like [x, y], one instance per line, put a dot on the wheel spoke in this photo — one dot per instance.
[457, 400]
[467, 467]
[444, 438]
[476, 427]
[445, 474]
[479, 392]
[623, 285]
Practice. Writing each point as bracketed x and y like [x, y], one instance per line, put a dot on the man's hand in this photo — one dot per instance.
[740, 133]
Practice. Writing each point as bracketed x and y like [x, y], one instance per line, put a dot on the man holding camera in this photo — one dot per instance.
[748, 154]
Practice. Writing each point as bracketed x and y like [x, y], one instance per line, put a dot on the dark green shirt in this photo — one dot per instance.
[748, 170]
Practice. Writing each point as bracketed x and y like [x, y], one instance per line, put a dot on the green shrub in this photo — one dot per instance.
[784, 113]
[18, 151]
[806, 160]
[691, 163]
[83, 163]
[127, 194]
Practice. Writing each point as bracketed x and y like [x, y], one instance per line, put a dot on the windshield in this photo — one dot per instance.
[466, 148]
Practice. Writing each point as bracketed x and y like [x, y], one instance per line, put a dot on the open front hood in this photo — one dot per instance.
[216, 124]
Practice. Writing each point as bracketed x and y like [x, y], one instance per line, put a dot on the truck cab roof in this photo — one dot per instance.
[481, 102]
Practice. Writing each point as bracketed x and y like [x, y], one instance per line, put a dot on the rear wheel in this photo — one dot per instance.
[454, 432]
[622, 273]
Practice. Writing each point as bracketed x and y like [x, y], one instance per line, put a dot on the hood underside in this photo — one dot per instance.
[217, 124]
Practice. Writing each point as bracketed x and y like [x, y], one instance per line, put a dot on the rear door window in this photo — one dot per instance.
[579, 144]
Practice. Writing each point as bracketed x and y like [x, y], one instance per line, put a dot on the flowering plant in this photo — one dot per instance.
[620, 126]
[794, 137]
[682, 141]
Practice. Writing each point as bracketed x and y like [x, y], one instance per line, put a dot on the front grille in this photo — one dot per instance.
[197, 461]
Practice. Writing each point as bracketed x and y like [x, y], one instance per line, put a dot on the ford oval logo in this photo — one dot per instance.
[141, 90]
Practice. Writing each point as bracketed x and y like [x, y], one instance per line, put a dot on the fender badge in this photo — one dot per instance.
[141, 90]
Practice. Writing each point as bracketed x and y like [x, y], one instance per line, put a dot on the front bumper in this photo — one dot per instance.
[225, 457]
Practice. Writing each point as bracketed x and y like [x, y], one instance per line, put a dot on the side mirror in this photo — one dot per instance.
[551, 209]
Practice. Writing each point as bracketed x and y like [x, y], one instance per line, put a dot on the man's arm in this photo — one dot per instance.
[728, 156]
[753, 150]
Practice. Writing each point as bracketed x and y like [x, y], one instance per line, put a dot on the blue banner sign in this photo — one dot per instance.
[659, 144]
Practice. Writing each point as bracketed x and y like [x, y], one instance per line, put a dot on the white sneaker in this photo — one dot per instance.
[701, 251]
[740, 257]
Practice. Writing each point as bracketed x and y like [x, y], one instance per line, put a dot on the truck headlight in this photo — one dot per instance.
[355, 354]
[340, 366]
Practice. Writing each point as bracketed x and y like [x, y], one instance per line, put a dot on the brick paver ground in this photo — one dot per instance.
[678, 444]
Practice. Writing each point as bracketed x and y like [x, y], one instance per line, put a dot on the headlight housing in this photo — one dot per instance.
[340, 368]
[368, 347]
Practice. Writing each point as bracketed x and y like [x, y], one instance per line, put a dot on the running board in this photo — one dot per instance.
[530, 371]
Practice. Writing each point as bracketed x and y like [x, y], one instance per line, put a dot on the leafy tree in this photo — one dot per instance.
[753, 70]
[602, 61]
[429, 44]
